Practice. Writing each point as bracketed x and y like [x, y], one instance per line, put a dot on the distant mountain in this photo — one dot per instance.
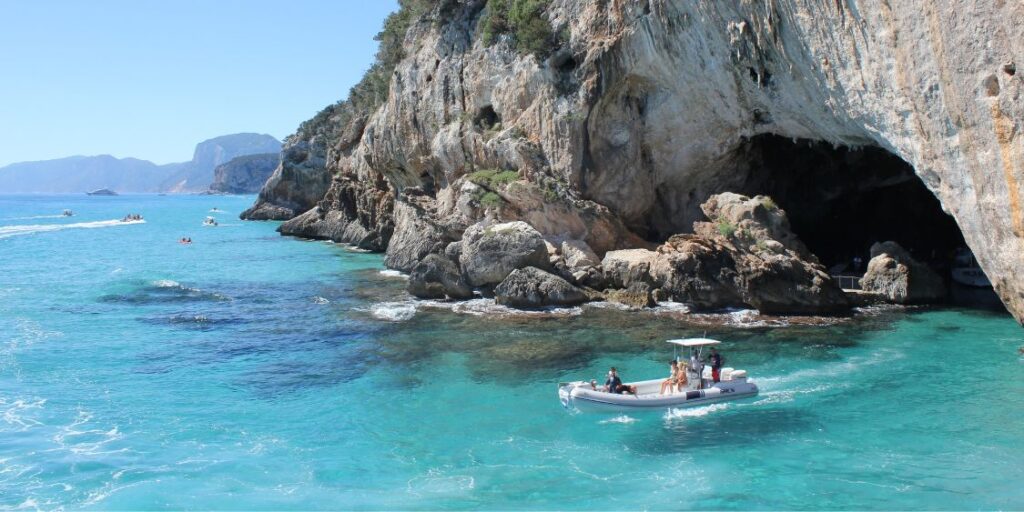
[197, 175]
[84, 173]
[245, 174]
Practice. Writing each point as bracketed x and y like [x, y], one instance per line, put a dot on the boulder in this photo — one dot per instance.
[415, 236]
[637, 296]
[531, 287]
[893, 273]
[746, 257]
[491, 252]
[698, 271]
[437, 277]
[578, 255]
[628, 266]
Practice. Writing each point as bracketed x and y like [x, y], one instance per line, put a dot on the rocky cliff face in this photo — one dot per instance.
[197, 175]
[245, 174]
[641, 110]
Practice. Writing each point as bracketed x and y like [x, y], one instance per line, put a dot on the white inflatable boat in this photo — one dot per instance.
[733, 384]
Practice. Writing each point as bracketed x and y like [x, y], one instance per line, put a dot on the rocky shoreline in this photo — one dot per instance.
[612, 162]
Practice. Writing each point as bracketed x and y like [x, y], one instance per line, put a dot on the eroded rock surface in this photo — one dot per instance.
[491, 252]
[640, 112]
[747, 256]
[437, 277]
[893, 273]
[531, 287]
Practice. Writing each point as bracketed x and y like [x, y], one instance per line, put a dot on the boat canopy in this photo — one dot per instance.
[694, 342]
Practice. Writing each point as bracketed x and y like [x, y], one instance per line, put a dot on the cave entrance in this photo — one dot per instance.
[840, 200]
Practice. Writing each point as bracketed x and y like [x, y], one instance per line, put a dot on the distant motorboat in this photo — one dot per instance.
[102, 192]
[216, 210]
[210, 221]
[68, 213]
[966, 270]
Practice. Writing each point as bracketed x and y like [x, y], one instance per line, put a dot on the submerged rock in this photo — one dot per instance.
[531, 287]
[637, 296]
[491, 252]
[437, 277]
[893, 273]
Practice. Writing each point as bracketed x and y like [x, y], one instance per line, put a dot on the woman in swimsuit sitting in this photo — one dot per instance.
[672, 378]
[681, 380]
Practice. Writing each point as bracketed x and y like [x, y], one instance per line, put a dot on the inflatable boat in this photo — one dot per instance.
[733, 384]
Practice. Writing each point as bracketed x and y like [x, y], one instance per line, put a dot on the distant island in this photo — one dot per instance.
[102, 192]
[82, 173]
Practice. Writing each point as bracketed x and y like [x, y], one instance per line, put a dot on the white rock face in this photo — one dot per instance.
[640, 118]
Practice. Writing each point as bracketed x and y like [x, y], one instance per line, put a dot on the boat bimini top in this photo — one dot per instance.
[694, 342]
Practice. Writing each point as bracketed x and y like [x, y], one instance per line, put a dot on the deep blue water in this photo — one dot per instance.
[248, 370]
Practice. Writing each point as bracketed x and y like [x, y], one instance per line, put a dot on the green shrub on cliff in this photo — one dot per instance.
[524, 20]
[493, 178]
[491, 200]
[726, 228]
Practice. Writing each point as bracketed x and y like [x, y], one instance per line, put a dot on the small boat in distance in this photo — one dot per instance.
[216, 210]
[210, 221]
[700, 389]
[68, 213]
[102, 192]
[966, 270]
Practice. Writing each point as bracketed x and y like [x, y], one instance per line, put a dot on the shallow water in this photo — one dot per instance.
[249, 370]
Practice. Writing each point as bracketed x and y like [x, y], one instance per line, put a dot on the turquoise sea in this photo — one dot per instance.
[252, 371]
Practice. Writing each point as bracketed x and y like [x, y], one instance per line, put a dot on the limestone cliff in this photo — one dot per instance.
[639, 110]
[244, 174]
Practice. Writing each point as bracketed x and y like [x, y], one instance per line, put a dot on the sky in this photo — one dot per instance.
[150, 79]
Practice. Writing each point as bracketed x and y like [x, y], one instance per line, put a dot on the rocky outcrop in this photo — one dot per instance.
[298, 184]
[437, 277]
[893, 273]
[490, 252]
[747, 257]
[350, 213]
[244, 174]
[640, 111]
[530, 287]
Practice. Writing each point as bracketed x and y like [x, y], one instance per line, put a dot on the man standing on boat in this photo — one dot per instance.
[716, 364]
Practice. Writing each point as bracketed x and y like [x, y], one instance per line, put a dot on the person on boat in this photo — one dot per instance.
[681, 380]
[614, 384]
[716, 364]
[697, 367]
[673, 376]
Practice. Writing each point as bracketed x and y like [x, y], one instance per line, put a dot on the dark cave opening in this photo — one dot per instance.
[841, 200]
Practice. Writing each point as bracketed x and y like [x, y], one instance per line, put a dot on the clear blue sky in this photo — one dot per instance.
[150, 79]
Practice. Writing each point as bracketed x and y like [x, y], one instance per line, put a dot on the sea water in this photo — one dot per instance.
[252, 371]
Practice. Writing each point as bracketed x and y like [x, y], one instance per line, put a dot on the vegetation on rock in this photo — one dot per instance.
[493, 178]
[523, 20]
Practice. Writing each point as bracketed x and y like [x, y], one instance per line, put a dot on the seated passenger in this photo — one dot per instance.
[673, 376]
[682, 381]
[614, 384]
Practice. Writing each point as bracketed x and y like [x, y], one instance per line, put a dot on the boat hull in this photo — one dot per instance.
[580, 396]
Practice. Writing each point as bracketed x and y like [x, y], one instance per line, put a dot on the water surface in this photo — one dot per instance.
[251, 371]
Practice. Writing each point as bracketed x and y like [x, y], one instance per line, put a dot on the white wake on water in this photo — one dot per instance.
[394, 273]
[394, 311]
[37, 217]
[31, 229]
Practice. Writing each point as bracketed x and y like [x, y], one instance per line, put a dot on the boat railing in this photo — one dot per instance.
[847, 282]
